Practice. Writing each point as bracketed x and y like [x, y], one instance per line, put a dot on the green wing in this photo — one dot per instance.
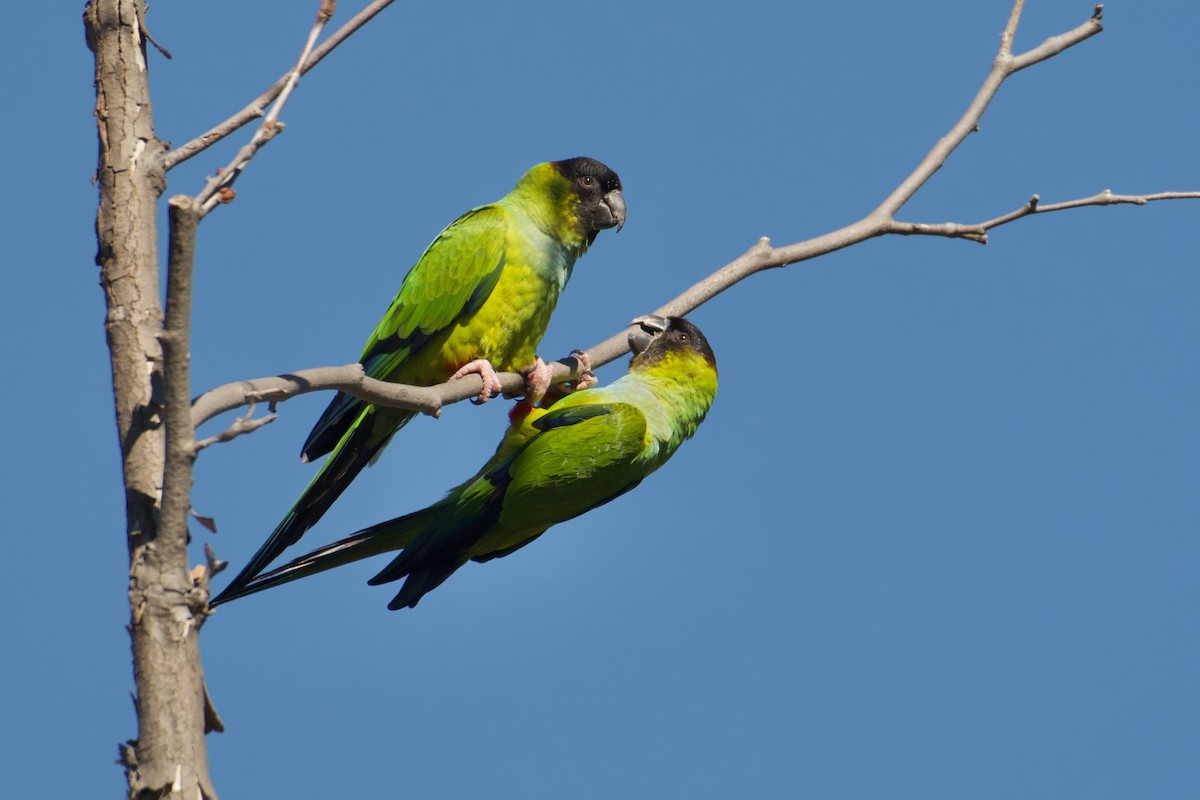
[585, 456]
[453, 277]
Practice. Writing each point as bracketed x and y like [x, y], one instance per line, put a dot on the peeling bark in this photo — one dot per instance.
[168, 758]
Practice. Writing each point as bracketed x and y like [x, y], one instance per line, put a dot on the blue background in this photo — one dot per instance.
[937, 538]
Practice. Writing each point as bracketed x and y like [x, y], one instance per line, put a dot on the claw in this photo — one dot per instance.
[537, 380]
[587, 379]
[584, 382]
[484, 369]
[585, 361]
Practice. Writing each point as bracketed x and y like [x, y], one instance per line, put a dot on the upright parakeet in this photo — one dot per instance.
[552, 464]
[477, 301]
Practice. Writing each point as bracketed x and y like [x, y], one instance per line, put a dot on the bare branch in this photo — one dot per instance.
[978, 231]
[1010, 30]
[351, 379]
[184, 216]
[430, 400]
[759, 257]
[1104, 198]
[1003, 66]
[218, 190]
[1056, 44]
[258, 105]
[951, 230]
[242, 425]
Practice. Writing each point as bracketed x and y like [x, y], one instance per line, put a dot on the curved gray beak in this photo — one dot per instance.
[639, 341]
[651, 325]
[614, 201]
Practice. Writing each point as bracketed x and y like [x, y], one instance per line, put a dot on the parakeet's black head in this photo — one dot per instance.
[571, 200]
[662, 336]
[597, 191]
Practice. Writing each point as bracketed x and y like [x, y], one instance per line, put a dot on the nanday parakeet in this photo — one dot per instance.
[478, 300]
[552, 465]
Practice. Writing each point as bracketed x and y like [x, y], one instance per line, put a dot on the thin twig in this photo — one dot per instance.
[257, 107]
[978, 231]
[1010, 30]
[1104, 198]
[1056, 44]
[242, 425]
[1004, 65]
[218, 189]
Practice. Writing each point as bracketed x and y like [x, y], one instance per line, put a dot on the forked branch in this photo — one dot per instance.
[759, 257]
[257, 107]
[218, 188]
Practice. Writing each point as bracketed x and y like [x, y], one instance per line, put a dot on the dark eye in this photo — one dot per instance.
[587, 181]
[683, 337]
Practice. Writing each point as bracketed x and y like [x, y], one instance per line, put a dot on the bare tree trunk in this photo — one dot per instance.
[169, 757]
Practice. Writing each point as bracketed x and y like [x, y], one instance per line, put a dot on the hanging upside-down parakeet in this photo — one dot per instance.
[553, 464]
[477, 301]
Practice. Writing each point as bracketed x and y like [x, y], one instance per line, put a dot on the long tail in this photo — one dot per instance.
[360, 445]
[385, 537]
[337, 418]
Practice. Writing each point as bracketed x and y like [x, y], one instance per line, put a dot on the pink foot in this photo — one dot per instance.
[484, 369]
[537, 380]
[586, 380]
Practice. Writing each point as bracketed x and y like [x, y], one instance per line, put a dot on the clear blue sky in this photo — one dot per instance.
[939, 537]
